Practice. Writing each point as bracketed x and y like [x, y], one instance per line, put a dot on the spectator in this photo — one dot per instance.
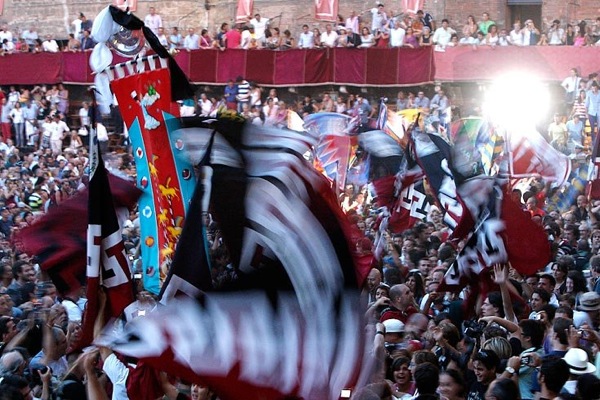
[153, 21]
[191, 41]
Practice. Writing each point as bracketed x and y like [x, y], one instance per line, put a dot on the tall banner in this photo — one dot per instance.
[244, 10]
[411, 6]
[326, 10]
[164, 174]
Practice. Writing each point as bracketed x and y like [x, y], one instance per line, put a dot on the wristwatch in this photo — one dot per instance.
[510, 370]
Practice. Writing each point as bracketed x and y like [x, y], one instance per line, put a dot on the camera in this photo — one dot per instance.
[584, 334]
[474, 329]
[526, 360]
[537, 316]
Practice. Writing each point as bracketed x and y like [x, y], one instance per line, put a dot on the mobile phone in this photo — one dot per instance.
[137, 276]
[346, 393]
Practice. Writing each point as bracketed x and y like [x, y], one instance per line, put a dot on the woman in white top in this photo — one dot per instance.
[206, 106]
[366, 38]
[18, 120]
[492, 37]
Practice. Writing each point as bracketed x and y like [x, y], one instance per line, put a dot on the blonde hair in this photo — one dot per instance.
[498, 345]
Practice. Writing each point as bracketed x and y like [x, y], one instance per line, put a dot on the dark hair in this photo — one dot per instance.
[550, 311]
[560, 328]
[579, 283]
[425, 356]
[488, 358]
[495, 299]
[505, 388]
[427, 378]
[534, 329]
[549, 277]
[588, 386]
[544, 295]
[4, 320]
[555, 371]
[419, 286]
[18, 267]
[458, 378]
[565, 310]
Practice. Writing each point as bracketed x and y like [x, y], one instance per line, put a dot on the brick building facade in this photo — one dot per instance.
[55, 16]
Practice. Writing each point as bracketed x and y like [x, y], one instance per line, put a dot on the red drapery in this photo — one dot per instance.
[365, 67]
[361, 67]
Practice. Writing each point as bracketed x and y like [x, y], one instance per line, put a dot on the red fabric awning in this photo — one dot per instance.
[548, 63]
[361, 67]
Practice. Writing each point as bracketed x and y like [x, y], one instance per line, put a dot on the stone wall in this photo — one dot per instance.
[54, 16]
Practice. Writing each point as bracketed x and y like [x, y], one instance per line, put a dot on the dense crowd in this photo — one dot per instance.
[536, 337]
[374, 27]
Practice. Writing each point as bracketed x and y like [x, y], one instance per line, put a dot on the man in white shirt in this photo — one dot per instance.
[397, 35]
[442, 35]
[5, 34]
[260, 25]
[30, 35]
[329, 37]
[307, 39]
[516, 37]
[7, 46]
[379, 18]
[555, 34]
[57, 134]
[50, 45]
[191, 41]
[571, 85]
[153, 20]
[162, 38]
[353, 22]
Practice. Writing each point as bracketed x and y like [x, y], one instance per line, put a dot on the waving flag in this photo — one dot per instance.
[289, 325]
[396, 124]
[57, 240]
[531, 155]
[503, 233]
[334, 146]
[107, 263]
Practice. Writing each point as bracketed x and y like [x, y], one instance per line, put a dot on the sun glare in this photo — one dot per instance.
[516, 102]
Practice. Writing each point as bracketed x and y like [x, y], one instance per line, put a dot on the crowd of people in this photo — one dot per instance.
[535, 337]
[374, 27]
[536, 334]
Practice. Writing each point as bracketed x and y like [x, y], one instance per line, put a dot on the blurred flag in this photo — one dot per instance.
[190, 274]
[503, 233]
[531, 155]
[290, 324]
[107, 263]
[58, 238]
[334, 145]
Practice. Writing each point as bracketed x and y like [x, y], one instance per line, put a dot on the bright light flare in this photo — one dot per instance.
[516, 102]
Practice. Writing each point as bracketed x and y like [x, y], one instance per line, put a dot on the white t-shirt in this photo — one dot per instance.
[50, 46]
[153, 22]
[397, 37]
[329, 39]
[84, 116]
[259, 27]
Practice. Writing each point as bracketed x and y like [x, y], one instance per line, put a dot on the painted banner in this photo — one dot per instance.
[411, 6]
[164, 174]
[244, 10]
[326, 10]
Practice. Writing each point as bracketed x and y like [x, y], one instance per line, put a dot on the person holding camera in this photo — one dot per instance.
[522, 368]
